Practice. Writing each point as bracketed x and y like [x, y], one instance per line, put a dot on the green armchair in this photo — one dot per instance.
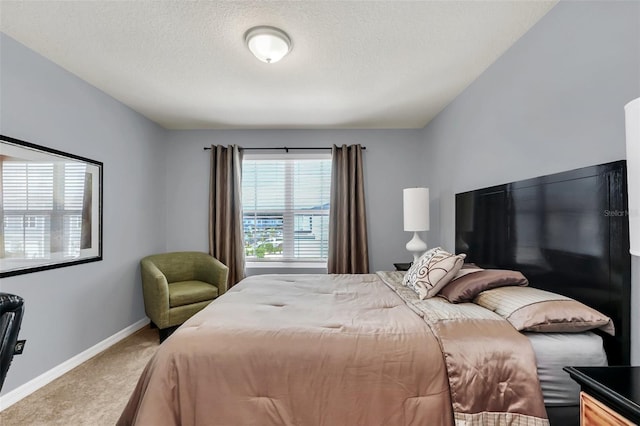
[177, 285]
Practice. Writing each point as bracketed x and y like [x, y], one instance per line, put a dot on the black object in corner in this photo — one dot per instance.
[11, 312]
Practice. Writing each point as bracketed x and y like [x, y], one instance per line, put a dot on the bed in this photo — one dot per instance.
[364, 350]
[335, 350]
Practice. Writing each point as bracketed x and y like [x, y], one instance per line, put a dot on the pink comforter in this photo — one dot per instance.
[337, 350]
[293, 350]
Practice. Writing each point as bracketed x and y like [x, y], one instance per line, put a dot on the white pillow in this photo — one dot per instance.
[432, 271]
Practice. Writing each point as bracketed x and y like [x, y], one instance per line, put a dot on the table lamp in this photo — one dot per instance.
[415, 203]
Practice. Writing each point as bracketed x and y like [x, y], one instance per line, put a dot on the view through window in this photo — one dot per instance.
[37, 200]
[286, 207]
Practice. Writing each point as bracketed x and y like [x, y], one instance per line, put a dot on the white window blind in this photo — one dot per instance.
[286, 207]
[40, 200]
[27, 186]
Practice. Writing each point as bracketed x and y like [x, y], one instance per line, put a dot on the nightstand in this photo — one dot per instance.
[402, 266]
[609, 395]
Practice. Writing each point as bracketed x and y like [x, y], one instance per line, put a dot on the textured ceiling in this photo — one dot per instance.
[354, 64]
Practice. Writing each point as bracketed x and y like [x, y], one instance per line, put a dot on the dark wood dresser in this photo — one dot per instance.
[609, 395]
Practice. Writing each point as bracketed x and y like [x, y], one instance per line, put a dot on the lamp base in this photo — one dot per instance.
[416, 246]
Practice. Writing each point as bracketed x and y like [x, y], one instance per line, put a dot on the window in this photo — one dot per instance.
[285, 203]
[37, 199]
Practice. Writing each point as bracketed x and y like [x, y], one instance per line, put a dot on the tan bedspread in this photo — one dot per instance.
[297, 350]
[338, 350]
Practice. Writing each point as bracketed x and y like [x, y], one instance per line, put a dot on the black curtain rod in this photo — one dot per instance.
[206, 148]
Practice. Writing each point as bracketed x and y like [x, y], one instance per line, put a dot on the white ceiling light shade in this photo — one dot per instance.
[269, 44]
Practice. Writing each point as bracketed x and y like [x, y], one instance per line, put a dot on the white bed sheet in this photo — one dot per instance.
[557, 350]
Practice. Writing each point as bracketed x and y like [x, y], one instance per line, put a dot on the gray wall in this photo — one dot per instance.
[390, 166]
[70, 309]
[553, 102]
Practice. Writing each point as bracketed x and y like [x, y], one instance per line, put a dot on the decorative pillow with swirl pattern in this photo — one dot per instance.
[432, 271]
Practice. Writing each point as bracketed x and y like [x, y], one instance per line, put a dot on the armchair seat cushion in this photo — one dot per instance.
[187, 292]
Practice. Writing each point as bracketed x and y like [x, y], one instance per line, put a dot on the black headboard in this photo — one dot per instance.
[567, 233]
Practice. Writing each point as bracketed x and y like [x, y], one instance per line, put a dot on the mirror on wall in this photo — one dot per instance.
[50, 208]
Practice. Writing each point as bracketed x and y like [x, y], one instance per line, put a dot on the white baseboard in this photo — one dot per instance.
[47, 377]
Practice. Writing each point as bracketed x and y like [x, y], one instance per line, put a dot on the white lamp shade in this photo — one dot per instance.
[632, 122]
[415, 203]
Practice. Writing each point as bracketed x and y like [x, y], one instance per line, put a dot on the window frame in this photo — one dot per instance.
[289, 212]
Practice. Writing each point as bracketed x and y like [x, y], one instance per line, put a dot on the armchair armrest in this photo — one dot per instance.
[155, 292]
[212, 271]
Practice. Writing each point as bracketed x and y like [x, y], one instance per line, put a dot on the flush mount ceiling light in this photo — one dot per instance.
[269, 44]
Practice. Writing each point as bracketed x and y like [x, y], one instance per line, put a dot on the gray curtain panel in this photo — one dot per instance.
[225, 210]
[348, 247]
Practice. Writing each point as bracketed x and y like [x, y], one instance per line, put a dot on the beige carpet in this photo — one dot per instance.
[93, 393]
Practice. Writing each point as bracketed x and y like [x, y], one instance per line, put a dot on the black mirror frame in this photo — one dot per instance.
[96, 246]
